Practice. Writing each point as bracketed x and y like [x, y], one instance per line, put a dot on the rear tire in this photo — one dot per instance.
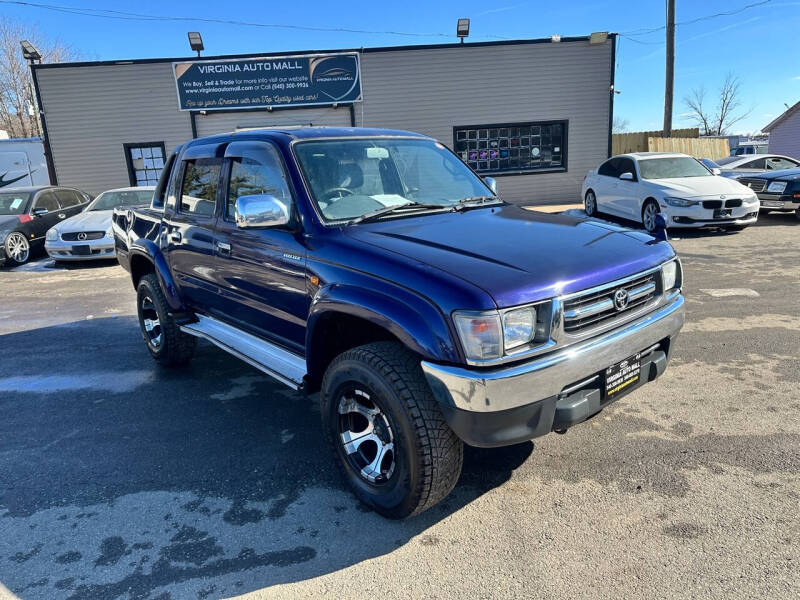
[590, 204]
[390, 439]
[167, 344]
[17, 248]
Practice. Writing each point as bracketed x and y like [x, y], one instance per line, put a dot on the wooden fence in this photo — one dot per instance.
[713, 148]
[622, 143]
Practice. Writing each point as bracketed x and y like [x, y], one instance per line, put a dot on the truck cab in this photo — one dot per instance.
[374, 268]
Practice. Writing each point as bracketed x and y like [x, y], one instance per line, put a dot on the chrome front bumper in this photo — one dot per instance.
[509, 387]
[98, 249]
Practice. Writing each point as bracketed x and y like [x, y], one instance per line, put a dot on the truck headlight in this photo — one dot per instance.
[776, 186]
[670, 273]
[682, 202]
[519, 327]
[480, 334]
[51, 235]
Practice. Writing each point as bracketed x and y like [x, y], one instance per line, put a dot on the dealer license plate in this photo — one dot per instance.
[722, 213]
[82, 250]
[623, 375]
[771, 204]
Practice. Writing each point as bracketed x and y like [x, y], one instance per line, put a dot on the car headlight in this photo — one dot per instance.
[480, 334]
[684, 202]
[51, 235]
[776, 186]
[110, 232]
[519, 327]
[751, 199]
[489, 335]
[671, 276]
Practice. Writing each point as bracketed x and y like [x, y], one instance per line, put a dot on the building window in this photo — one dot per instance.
[513, 147]
[145, 162]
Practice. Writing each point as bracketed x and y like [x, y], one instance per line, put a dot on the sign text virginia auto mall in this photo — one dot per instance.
[304, 80]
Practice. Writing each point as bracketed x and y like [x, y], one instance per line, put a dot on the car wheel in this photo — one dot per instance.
[590, 204]
[166, 342]
[17, 248]
[649, 212]
[390, 439]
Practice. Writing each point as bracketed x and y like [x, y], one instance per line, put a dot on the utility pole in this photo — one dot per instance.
[670, 75]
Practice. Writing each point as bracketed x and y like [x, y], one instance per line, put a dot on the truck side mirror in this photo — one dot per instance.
[261, 210]
[492, 183]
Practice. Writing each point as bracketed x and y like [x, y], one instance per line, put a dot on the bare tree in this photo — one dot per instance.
[619, 125]
[17, 102]
[727, 112]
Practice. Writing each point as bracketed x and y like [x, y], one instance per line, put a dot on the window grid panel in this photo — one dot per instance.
[512, 148]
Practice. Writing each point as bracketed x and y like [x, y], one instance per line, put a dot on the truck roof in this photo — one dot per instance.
[304, 133]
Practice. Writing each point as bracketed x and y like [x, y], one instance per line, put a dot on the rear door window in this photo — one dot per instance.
[69, 198]
[47, 200]
[200, 185]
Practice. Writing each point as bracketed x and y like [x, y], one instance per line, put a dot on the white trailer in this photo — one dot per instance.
[22, 163]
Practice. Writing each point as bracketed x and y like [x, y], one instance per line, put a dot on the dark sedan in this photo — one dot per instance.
[26, 213]
[777, 190]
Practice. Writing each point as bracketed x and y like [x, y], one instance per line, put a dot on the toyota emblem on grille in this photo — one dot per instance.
[82, 235]
[621, 299]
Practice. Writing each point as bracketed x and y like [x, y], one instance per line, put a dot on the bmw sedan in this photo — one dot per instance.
[88, 236]
[640, 185]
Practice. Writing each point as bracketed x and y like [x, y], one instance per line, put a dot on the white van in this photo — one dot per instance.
[22, 163]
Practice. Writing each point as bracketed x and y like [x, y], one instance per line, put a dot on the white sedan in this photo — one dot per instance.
[88, 235]
[640, 185]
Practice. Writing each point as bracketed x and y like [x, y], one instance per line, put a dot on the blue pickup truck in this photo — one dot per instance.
[374, 267]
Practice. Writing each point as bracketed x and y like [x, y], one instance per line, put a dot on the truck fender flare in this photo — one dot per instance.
[410, 318]
[152, 253]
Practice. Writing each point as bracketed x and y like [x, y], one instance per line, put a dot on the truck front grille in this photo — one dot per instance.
[757, 185]
[593, 309]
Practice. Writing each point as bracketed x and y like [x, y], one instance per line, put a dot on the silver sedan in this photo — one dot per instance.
[88, 235]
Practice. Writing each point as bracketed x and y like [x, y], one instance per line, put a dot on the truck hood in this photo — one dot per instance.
[517, 255]
[699, 187]
[95, 220]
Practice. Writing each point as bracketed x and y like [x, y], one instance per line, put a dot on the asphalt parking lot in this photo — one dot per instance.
[120, 479]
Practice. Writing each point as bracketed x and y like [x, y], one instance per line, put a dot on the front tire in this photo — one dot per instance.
[17, 248]
[390, 439]
[167, 344]
[649, 212]
[590, 204]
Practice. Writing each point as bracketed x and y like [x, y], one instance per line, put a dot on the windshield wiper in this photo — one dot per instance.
[386, 210]
[472, 201]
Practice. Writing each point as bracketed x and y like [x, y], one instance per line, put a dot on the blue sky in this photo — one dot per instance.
[759, 44]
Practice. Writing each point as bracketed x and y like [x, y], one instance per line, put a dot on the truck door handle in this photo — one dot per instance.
[175, 236]
[224, 248]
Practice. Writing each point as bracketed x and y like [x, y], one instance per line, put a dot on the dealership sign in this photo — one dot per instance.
[303, 80]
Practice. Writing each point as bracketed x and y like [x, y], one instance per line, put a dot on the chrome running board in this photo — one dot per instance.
[286, 367]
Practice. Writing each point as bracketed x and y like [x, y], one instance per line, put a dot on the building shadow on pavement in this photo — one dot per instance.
[120, 478]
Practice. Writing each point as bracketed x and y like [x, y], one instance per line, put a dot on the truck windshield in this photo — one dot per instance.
[350, 178]
[674, 166]
[13, 204]
[112, 200]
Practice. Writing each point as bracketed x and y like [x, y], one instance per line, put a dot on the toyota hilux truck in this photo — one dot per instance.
[375, 268]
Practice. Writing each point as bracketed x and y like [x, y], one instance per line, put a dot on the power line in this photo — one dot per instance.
[736, 11]
[131, 16]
